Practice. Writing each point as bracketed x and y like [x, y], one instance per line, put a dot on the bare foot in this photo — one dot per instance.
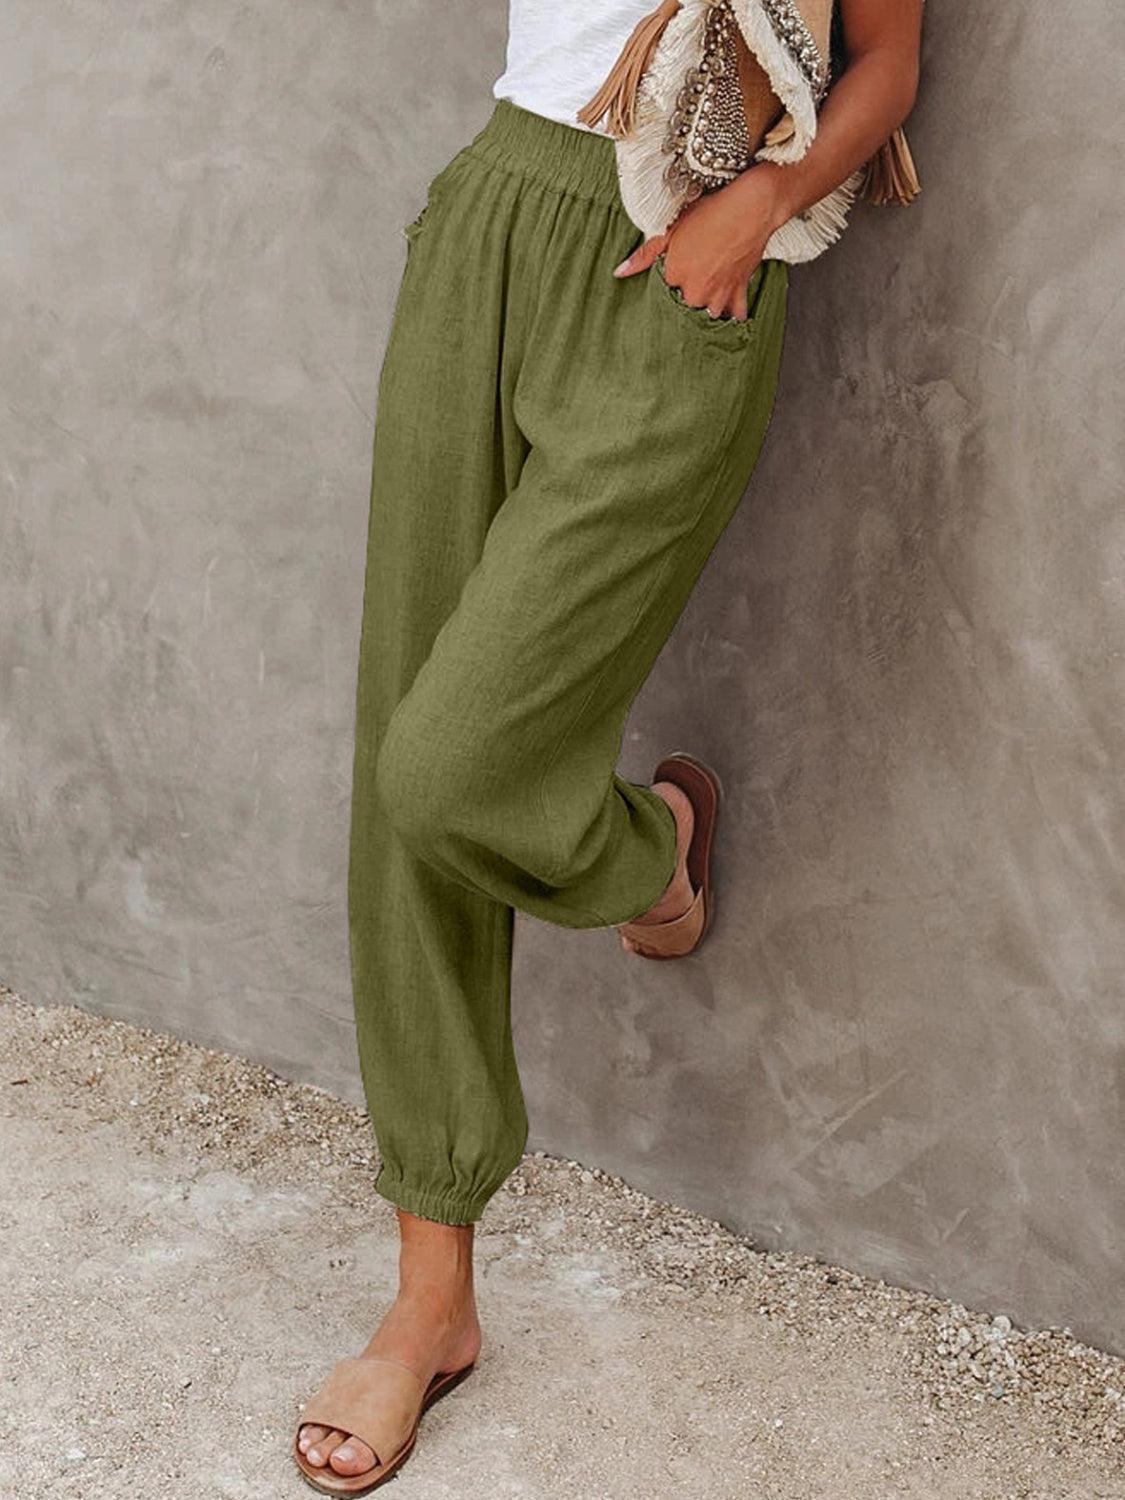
[678, 895]
[431, 1325]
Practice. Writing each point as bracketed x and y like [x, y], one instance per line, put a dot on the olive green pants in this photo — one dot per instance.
[556, 454]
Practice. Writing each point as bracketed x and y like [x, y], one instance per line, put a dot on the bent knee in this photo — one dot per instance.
[451, 796]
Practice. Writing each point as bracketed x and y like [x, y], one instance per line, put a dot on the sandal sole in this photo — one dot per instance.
[700, 783]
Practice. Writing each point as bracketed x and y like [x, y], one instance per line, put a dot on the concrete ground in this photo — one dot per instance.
[188, 1242]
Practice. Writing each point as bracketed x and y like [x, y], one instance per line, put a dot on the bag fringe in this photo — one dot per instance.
[616, 98]
[645, 192]
[891, 176]
[806, 234]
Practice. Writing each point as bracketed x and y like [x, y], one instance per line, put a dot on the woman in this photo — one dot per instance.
[566, 422]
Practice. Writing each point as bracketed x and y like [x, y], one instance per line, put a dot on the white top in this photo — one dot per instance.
[559, 51]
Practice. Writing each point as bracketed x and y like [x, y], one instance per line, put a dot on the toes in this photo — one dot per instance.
[309, 1434]
[353, 1457]
[323, 1449]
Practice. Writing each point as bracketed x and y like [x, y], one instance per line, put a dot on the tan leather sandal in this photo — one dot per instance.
[379, 1401]
[683, 934]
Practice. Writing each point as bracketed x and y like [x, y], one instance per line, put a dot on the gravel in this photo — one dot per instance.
[187, 1241]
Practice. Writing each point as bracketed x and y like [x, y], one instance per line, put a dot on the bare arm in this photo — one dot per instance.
[714, 246]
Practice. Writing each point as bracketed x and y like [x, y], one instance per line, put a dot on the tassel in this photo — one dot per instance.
[784, 130]
[617, 96]
[890, 176]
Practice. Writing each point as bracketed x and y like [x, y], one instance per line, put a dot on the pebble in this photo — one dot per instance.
[1068, 1395]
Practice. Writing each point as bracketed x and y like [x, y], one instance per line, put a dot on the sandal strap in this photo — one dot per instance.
[674, 937]
[376, 1400]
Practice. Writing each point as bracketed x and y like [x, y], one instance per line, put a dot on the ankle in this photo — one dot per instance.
[430, 1320]
[451, 1298]
[434, 1252]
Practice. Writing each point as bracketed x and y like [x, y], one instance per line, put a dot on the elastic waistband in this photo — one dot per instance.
[564, 157]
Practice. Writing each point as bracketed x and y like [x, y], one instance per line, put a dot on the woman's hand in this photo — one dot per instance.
[714, 246]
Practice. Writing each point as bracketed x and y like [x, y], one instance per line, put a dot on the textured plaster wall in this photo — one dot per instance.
[904, 1045]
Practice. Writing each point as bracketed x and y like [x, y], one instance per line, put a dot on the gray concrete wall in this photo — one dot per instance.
[903, 1046]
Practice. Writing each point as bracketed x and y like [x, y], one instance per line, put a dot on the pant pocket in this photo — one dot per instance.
[438, 185]
[733, 331]
[412, 230]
